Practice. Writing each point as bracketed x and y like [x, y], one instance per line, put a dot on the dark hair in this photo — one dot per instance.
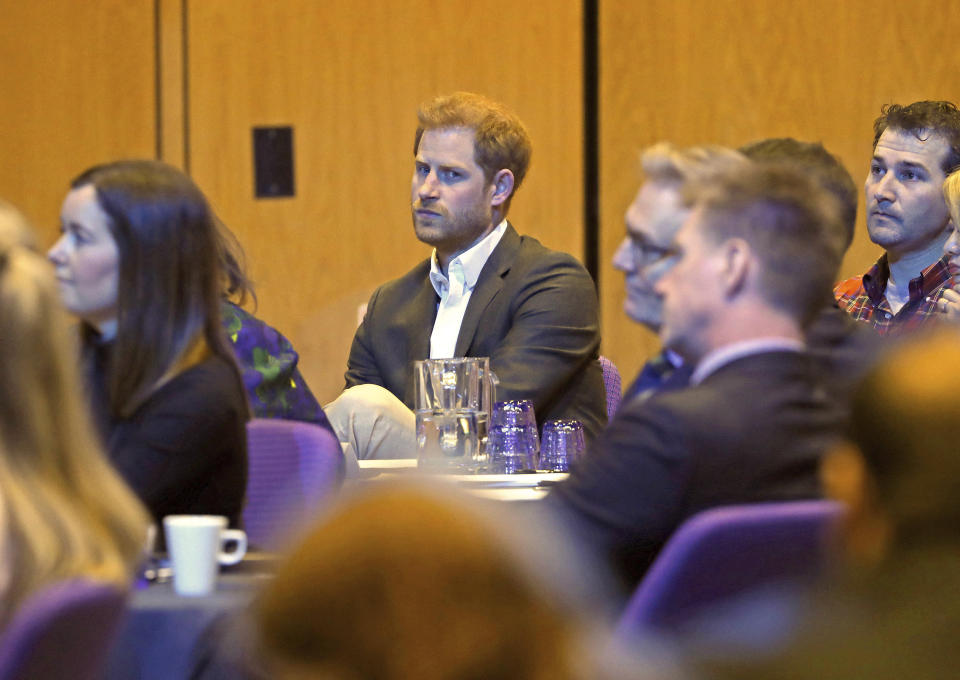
[924, 118]
[790, 222]
[236, 284]
[812, 157]
[500, 138]
[169, 279]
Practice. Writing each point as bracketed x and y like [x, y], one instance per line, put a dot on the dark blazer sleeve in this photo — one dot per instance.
[534, 313]
[628, 493]
[184, 451]
[752, 431]
[553, 335]
[394, 332]
[362, 365]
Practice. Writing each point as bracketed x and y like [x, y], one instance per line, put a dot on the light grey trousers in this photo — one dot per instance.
[371, 423]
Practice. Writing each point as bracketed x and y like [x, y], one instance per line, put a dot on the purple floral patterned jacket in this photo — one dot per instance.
[268, 364]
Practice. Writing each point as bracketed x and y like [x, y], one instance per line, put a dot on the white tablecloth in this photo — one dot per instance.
[519, 487]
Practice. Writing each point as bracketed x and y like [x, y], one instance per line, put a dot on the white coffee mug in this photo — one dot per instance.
[195, 544]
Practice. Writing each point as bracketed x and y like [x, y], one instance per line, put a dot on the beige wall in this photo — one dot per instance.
[732, 71]
[88, 82]
[76, 88]
[348, 77]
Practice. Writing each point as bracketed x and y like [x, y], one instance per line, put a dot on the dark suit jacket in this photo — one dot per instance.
[533, 312]
[752, 431]
[844, 350]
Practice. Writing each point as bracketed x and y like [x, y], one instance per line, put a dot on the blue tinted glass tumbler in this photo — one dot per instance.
[563, 444]
[514, 444]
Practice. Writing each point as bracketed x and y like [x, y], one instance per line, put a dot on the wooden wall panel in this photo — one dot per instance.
[78, 88]
[732, 71]
[348, 77]
[171, 82]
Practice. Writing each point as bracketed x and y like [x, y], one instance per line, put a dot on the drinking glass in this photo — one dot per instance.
[513, 441]
[517, 412]
[563, 444]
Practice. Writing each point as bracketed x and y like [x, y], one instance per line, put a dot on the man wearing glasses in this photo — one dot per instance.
[652, 221]
[843, 348]
[754, 259]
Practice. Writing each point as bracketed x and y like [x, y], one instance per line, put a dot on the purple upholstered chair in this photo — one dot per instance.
[293, 467]
[611, 382]
[727, 551]
[64, 631]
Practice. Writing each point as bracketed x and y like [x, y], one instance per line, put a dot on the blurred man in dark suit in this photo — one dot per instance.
[893, 611]
[844, 348]
[652, 221]
[750, 266]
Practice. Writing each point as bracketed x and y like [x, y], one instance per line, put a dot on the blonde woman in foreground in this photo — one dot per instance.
[64, 512]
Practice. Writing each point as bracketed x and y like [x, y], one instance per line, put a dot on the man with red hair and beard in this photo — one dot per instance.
[485, 291]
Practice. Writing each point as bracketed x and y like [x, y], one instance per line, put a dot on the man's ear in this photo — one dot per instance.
[737, 259]
[502, 187]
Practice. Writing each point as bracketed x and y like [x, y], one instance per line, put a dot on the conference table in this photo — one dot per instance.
[166, 636]
[169, 637]
[512, 488]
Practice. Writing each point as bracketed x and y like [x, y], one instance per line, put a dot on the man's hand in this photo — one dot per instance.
[949, 303]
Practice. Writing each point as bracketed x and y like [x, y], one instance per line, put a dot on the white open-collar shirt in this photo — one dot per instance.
[455, 289]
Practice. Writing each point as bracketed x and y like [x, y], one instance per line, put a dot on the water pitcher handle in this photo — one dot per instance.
[490, 382]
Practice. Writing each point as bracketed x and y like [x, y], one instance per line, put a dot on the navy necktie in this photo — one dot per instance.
[651, 377]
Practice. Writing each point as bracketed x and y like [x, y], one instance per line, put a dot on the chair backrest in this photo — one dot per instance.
[612, 384]
[62, 632]
[293, 466]
[726, 551]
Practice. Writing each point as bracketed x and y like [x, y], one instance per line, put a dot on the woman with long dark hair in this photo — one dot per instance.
[138, 264]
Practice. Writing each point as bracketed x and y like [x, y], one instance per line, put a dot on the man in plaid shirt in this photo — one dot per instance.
[915, 148]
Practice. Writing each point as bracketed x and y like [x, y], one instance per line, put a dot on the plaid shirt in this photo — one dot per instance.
[863, 298]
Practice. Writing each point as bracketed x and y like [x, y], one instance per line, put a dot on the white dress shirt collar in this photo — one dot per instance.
[455, 290]
[712, 361]
[470, 262]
